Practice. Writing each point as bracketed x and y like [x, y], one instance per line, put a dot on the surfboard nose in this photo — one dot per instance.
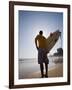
[59, 32]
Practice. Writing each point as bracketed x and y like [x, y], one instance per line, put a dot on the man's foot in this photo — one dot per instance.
[42, 76]
[46, 76]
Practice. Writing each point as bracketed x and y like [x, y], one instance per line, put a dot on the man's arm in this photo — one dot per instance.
[36, 43]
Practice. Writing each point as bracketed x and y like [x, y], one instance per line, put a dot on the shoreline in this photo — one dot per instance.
[55, 71]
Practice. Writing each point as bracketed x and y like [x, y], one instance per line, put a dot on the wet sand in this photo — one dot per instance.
[55, 71]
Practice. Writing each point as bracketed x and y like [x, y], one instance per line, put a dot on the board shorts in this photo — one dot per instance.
[42, 56]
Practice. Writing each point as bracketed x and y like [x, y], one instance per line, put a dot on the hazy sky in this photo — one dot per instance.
[30, 23]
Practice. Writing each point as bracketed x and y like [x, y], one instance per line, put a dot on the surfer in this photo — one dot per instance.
[40, 42]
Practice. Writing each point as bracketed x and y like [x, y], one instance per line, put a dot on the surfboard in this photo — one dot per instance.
[52, 39]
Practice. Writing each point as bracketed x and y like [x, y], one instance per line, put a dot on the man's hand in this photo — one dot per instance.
[47, 51]
[37, 48]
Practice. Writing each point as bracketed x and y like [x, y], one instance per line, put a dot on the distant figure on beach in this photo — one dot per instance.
[40, 42]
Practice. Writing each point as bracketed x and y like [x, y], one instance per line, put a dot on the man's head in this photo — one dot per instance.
[40, 32]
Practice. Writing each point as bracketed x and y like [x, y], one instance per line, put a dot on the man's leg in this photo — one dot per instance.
[46, 68]
[42, 68]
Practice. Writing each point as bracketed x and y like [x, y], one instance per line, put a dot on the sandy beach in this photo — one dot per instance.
[53, 72]
[32, 70]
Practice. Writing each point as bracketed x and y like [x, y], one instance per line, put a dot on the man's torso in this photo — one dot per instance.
[41, 41]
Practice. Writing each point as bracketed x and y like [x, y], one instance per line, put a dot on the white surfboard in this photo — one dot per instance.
[52, 39]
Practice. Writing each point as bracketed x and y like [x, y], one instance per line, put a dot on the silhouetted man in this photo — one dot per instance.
[40, 42]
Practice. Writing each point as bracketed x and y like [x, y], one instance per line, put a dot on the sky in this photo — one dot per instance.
[30, 23]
